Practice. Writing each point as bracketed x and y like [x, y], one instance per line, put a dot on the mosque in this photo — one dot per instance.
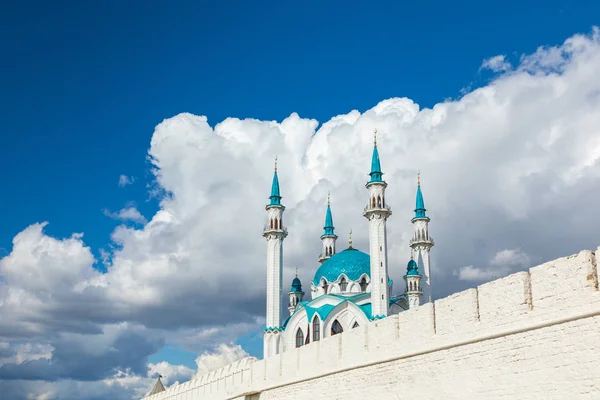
[350, 287]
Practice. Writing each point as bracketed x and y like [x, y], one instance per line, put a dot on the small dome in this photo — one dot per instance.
[350, 262]
[412, 268]
[296, 285]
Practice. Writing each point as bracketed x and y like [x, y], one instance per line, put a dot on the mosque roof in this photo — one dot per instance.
[351, 262]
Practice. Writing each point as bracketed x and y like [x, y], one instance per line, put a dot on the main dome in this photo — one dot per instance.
[350, 262]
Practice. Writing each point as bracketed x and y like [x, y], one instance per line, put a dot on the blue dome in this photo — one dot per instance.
[412, 268]
[350, 262]
[296, 285]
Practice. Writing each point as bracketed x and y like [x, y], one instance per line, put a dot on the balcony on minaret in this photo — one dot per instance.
[274, 227]
[421, 240]
[376, 205]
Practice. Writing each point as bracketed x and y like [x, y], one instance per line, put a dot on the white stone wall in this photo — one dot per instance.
[531, 335]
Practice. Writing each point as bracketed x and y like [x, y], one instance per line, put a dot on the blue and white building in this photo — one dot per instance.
[350, 287]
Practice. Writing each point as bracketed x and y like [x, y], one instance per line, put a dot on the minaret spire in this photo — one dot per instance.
[328, 237]
[377, 212]
[422, 243]
[376, 174]
[275, 233]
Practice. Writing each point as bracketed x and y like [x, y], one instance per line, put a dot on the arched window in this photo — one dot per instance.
[373, 202]
[355, 325]
[299, 338]
[316, 329]
[336, 328]
[363, 285]
[276, 223]
[343, 285]
[378, 201]
[271, 223]
[324, 286]
[330, 250]
[383, 201]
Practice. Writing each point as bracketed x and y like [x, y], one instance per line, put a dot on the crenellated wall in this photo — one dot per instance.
[529, 335]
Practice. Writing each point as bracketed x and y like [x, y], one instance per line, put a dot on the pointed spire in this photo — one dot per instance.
[376, 174]
[328, 229]
[158, 387]
[420, 204]
[275, 196]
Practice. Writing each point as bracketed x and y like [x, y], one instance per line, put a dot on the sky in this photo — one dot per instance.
[137, 153]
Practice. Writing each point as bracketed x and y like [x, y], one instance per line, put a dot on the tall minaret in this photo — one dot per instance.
[274, 232]
[328, 237]
[377, 212]
[422, 243]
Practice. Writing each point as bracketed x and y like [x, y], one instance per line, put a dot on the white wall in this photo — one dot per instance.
[531, 335]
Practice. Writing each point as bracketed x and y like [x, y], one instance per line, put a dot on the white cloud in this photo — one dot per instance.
[512, 165]
[503, 263]
[224, 355]
[511, 258]
[497, 64]
[127, 214]
[125, 180]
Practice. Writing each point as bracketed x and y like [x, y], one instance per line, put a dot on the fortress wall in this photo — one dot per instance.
[533, 334]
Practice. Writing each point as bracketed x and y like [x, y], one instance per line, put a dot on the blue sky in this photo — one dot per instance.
[84, 84]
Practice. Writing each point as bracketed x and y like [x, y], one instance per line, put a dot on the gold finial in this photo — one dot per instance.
[275, 163]
[328, 198]
[419, 178]
[375, 137]
[350, 240]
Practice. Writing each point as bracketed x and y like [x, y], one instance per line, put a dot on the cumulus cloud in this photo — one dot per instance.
[126, 214]
[496, 64]
[125, 180]
[512, 165]
[503, 263]
[224, 355]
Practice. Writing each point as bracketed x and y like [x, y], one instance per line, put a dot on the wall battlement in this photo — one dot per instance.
[531, 334]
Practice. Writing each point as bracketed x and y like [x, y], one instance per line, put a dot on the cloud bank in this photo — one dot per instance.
[510, 176]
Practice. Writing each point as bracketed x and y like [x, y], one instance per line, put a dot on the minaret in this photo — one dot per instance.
[296, 294]
[422, 243]
[377, 212]
[328, 237]
[413, 284]
[274, 232]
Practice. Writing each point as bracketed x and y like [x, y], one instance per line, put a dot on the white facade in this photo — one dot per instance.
[532, 335]
[377, 212]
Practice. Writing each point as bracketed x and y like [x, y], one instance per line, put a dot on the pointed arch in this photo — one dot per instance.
[336, 328]
[355, 325]
[379, 201]
[343, 284]
[316, 328]
[373, 202]
[363, 284]
[299, 337]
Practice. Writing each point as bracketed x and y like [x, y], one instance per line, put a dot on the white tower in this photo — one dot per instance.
[296, 294]
[377, 212]
[422, 243]
[328, 237]
[274, 232]
[413, 284]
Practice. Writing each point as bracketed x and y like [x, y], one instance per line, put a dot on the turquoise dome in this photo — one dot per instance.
[350, 262]
[296, 285]
[412, 268]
